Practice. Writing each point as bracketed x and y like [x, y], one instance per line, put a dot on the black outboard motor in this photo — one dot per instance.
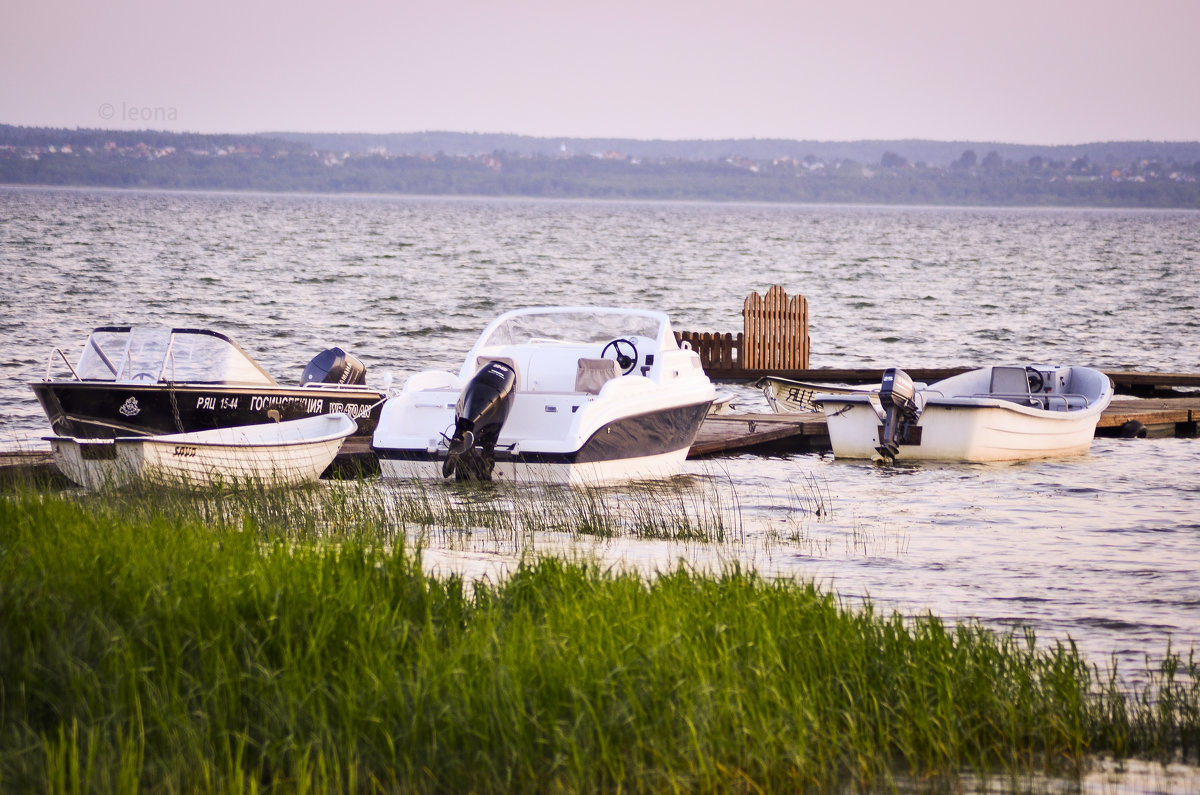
[482, 409]
[334, 366]
[898, 396]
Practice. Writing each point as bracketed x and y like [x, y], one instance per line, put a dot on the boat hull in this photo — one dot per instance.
[649, 445]
[275, 454]
[105, 410]
[529, 469]
[962, 429]
[91, 463]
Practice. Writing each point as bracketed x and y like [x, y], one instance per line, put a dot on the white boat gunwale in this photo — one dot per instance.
[201, 438]
[974, 401]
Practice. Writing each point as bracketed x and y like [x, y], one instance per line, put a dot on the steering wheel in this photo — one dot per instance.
[624, 351]
[1036, 381]
[143, 376]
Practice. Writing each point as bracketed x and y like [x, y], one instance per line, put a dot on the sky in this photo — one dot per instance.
[1006, 71]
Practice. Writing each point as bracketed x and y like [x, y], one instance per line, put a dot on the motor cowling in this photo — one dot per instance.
[898, 397]
[334, 366]
[482, 408]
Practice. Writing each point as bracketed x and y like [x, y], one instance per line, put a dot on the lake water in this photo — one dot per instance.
[1102, 548]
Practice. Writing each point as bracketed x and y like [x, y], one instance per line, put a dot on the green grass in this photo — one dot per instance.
[203, 648]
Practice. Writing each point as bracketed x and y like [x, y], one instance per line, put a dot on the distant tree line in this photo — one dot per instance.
[122, 159]
[932, 153]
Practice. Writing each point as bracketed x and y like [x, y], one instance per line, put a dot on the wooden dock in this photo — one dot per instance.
[726, 434]
[760, 433]
[774, 342]
[36, 466]
[1126, 382]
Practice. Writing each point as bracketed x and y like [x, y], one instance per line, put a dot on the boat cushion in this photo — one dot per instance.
[592, 374]
[1009, 382]
[483, 361]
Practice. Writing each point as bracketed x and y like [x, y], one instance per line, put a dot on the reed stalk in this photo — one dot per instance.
[185, 649]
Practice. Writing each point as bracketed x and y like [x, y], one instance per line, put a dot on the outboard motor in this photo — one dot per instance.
[482, 409]
[898, 397]
[334, 366]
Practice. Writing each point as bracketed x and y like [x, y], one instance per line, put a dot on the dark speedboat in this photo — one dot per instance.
[138, 380]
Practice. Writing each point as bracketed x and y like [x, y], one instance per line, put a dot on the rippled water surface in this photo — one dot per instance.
[1103, 548]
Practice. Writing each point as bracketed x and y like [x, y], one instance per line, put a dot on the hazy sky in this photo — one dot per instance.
[1015, 71]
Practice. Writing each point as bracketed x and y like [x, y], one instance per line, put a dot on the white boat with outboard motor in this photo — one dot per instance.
[269, 454]
[147, 380]
[571, 395]
[998, 413]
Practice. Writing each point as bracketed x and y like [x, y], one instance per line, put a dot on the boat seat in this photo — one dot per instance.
[1012, 383]
[592, 374]
[1009, 381]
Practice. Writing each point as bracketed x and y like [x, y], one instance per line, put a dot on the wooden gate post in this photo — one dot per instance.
[776, 331]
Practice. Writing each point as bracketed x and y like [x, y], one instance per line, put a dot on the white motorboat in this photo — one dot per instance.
[574, 395]
[789, 396]
[271, 454]
[996, 413]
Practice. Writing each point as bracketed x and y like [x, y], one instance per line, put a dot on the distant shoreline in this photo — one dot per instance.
[1143, 175]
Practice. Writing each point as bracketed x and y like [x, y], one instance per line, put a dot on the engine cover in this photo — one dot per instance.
[483, 407]
[898, 397]
[334, 366]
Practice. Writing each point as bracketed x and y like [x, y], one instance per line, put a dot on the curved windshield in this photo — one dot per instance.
[570, 326]
[149, 354]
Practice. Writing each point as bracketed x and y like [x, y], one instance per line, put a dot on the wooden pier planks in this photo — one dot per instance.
[1182, 413]
[729, 434]
[734, 433]
[802, 433]
[1127, 382]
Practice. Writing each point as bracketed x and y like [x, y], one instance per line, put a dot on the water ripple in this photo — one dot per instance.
[1102, 548]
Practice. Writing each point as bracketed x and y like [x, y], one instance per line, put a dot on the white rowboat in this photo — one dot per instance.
[270, 454]
[788, 396]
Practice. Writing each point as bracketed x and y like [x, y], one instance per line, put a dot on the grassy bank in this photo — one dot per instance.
[149, 650]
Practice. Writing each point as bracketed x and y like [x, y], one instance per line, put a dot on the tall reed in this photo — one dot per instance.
[170, 653]
[683, 509]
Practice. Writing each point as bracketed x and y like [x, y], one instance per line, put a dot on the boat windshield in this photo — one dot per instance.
[124, 353]
[571, 326]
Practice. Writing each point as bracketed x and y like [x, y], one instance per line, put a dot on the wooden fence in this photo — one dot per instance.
[774, 336]
[717, 351]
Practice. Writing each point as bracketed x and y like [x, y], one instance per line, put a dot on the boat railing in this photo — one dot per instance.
[1069, 401]
[1046, 402]
[1020, 398]
[66, 361]
[333, 387]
